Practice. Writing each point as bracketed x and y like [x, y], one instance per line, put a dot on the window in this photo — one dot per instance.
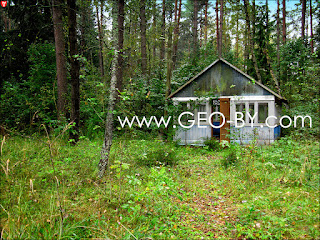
[262, 112]
[240, 107]
[201, 108]
[251, 112]
[216, 108]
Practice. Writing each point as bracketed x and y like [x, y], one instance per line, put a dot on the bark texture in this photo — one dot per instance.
[57, 6]
[74, 71]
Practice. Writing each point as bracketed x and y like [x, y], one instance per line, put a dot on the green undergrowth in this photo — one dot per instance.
[158, 190]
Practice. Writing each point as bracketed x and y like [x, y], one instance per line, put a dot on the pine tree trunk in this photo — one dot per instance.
[120, 44]
[206, 22]
[154, 25]
[100, 42]
[220, 29]
[303, 19]
[284, 27]
[143, 37]
[311, 30]
[163, 30]
[195, 29]
[108, 135]
[176, 37]
[57, 6]
[278, 33]
[74, 71]
[169, 61]
[237, 37]
[217, 25]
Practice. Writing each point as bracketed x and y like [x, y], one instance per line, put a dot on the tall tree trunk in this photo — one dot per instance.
[311, 32]
[195, 29]
[83, 16]
[303, 19]
[100, 42]
[206, 22]
[74, 71]
[217, 25]
[220, 29]
[163, 30]
[250, 41]
[274, 78]
[108, 134]
[120, 44]
[176, 37]
[143, 37]
[57, 6]
[237, 32]
[284, 27]
[154, 25]
[169, 60]
[278, 34]
[267, 12]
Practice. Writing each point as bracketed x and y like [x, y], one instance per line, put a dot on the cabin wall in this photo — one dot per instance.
[258, 131]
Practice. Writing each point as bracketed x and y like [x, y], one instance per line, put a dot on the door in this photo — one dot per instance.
[225, 110]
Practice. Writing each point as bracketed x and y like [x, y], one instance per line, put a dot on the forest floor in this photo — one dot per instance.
[157, 190]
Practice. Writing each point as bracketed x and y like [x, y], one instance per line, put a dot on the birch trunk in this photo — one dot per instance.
[108, 134]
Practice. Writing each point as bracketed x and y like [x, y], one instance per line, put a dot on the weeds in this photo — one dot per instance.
[268, 192]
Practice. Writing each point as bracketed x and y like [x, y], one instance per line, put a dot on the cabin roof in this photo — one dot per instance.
[245, 76]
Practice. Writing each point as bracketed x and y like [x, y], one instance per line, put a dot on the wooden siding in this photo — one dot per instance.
[221, 80]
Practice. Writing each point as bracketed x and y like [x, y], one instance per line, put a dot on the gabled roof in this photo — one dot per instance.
[233, 67]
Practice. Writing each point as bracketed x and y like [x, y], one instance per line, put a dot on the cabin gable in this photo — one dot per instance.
[221, 79]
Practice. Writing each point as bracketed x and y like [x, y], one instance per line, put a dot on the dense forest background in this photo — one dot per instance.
[70, 68]
[57, 56]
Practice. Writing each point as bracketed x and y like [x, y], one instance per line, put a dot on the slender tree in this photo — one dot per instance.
[57, 9]
[120, 44]
[221, 28]
[74, 70]
[163, 30]
[278, 33]
[143, 39]
[169, 57]
[176, 35]
[303, 19]
[217, 26]
[100, 41]
[195, 28]
[108, 134]
[206, 22]
[284, 27]
[154, 26]
[237, 32]
[311, 30]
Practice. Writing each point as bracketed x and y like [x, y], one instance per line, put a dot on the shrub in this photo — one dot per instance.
[212, 143]
[158, 155]
[230, 159]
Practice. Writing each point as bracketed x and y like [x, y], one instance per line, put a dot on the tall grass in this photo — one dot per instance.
[158, 190]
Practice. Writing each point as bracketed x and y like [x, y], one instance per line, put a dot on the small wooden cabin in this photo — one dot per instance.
[221, 87]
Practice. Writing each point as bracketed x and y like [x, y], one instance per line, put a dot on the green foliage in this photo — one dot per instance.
[158, 154]
[32, 101]
[212, 143]
[304, 108]
[299, 79]
[231, 159]
[271, 193]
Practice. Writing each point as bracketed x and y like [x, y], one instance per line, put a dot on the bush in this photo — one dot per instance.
[212, 143]
[158, 154]
[230, 159]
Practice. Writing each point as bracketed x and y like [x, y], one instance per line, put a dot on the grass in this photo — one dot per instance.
[269, 192]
